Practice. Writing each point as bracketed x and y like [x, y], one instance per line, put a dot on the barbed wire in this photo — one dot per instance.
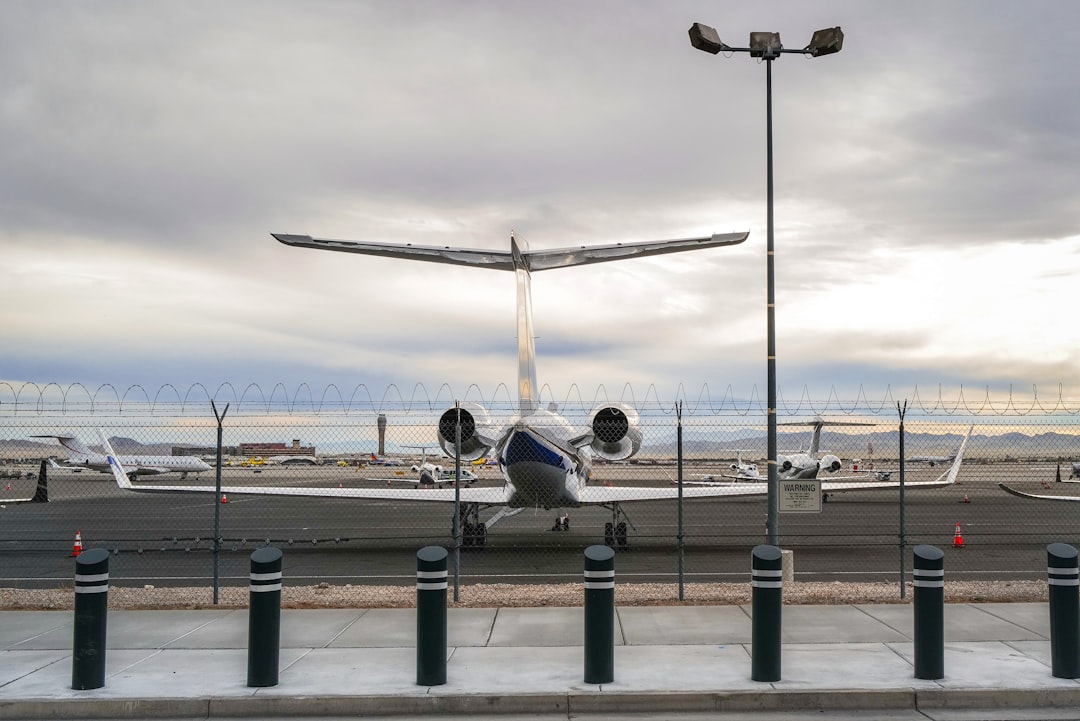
[76, 398]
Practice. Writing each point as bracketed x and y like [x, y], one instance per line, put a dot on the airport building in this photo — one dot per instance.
[276, 449]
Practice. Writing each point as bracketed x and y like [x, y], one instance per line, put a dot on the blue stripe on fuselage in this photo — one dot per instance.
[524, 447]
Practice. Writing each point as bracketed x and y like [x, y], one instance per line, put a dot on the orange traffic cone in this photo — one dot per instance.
[224, 499]
[958, 540]
[965, 499]
[77, 548]
[9, 485]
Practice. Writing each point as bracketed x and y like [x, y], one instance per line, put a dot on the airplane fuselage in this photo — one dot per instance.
[541, 468]
[141, 465]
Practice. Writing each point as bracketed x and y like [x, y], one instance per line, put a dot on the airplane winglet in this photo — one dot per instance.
[949, 476]
[114, 465]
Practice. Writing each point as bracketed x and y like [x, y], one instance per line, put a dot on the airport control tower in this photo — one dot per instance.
[382, 434]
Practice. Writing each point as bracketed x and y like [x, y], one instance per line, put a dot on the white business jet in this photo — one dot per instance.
[544, 460]
[80, 456]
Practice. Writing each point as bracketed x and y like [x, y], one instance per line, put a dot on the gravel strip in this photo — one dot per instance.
[507, 595]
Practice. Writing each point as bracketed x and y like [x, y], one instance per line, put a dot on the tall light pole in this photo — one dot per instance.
[767, 46]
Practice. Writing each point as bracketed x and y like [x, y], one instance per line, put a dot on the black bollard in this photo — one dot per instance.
[767, 582]
[1063, 576]
[928, 578]
[264, 617]
[599, 614]
[431, 616]
[91, 616]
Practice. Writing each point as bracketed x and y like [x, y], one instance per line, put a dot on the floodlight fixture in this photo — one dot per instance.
[765, 45]
[826, 42]
[705, 38]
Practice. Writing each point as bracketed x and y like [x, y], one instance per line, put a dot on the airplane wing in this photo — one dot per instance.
[625, 494]
[598, 495]
[1039, 496]
[862, 483]
[486, 495]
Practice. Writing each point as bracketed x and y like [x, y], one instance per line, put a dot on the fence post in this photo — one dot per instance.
[431, 616]
[264, 617]
[91, 617]
[928, 578]
[599, 614]
[767, 583]
[1063, 577]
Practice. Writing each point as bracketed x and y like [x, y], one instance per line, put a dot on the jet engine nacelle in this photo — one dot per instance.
[477, 431]
[616, 431]
[830, 463]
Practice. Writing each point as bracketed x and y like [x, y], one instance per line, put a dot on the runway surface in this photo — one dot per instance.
[166, 539]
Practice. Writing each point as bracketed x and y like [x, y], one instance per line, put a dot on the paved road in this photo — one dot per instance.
[166, 539]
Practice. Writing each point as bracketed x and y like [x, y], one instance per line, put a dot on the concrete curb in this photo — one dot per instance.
[766, 700]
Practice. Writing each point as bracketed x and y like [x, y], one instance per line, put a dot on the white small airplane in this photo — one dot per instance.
[797, 465]
[742, 472]
[80, 456]
[545, 461]
[807, 464]
[376, 461]
[431, 474]
[931, 460]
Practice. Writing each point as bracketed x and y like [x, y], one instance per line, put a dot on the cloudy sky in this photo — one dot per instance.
[927, 194]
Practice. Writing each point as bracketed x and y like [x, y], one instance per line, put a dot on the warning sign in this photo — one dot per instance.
[800, 496]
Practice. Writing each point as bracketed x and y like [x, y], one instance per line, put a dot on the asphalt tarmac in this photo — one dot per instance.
[167, 539]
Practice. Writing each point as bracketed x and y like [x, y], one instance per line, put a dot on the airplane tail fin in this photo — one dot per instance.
[114, 465]
[71, 444]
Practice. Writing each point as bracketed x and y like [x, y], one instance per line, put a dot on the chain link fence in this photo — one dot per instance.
[347, 533]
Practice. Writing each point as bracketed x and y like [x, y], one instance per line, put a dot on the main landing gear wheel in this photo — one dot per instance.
[620, 535]
[615, 531]
[473, 531]
[474, 534]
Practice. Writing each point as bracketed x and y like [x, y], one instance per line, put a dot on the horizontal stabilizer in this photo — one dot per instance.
[504, 260]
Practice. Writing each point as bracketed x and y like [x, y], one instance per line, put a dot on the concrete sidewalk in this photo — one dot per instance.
[193, 664]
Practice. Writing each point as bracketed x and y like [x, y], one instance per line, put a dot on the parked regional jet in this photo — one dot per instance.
[80, 456]
[544, 460]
